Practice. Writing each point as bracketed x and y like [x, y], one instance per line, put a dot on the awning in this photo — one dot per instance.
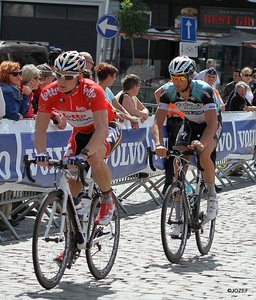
[234, 38]
[154, 35]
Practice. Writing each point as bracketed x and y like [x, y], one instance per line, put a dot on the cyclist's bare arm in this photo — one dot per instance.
[157, 132]
[42, 122]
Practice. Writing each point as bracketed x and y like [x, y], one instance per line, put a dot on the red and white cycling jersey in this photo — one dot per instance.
[77, 107]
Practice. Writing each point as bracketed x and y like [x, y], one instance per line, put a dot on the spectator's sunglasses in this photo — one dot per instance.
[15, 74]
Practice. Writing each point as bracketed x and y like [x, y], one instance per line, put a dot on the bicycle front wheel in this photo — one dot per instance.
[174, 244]
[205, 233]
[103, 242]
[49, 240]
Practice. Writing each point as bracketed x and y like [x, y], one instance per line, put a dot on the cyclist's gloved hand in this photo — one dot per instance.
[42, 157]
[72, 160]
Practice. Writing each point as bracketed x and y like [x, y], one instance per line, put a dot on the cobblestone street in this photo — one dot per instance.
[141, 270]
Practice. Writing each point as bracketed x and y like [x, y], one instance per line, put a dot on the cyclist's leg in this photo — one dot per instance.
[207, 162]
[183, 139]
[101, 173]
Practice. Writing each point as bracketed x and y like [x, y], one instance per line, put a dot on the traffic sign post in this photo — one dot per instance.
[188, 29]
[107, 26]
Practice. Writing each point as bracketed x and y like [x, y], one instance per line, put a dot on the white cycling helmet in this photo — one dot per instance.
[181, 65]
[70, 61]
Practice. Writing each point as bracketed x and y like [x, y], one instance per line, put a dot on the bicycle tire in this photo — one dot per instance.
[174, 246]
[46, 246]
[205, 233]
[103, 242]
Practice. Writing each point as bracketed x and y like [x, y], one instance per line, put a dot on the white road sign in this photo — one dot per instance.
[188, 49]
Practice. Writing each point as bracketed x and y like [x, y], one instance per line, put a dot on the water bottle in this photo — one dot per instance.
[85, 207]
[190, 193]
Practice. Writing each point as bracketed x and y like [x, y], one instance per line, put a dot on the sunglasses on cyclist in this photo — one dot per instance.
[15, 74]
[178, 77]
[247, 75]
[66, 77]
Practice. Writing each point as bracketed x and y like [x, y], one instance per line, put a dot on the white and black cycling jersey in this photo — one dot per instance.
[200, 100]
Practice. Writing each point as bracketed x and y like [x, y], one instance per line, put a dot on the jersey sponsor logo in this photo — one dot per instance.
[80, 108]
[49, 93]
[89, 92]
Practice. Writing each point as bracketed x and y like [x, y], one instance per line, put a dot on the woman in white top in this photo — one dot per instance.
[128, 97]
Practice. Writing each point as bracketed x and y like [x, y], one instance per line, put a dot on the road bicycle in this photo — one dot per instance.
[192, 208]
[58, 228]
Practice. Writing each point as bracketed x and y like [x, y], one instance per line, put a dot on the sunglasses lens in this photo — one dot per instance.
[179, 78]
[15, 74]
[65, 77]
[69, 77]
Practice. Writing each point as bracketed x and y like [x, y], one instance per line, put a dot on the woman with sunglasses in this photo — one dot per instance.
[202, 124]
[246, 76]
[95, 133]
[16, 101]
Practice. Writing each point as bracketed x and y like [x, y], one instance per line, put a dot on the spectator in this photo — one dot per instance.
[30, 79]
[88, 72]
[106, 74]
[128, 97]
[16, 103]
[253, 88]
[210, 63]
[88, 59]
[45, 77]
[53, 54]
[2, 104]
[239, 101]
[246, 76]
[231, 85]
[210, 77]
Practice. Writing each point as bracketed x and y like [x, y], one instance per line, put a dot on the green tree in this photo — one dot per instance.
[133, 20]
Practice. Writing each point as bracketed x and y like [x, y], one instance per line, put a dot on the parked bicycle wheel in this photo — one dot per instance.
[174, 245]
[103, 242]
[47, 242]
[205, 234]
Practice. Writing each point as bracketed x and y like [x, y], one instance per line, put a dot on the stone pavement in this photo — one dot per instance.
[141, 270]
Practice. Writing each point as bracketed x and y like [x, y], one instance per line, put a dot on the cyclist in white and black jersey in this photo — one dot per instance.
[202, 124]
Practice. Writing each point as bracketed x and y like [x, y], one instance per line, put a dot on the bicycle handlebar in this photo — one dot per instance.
[176, 152]
[81, 167]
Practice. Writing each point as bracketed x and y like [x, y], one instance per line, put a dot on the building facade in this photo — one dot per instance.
[224, 32]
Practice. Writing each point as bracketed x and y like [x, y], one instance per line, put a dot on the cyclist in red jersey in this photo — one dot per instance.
[95, 134]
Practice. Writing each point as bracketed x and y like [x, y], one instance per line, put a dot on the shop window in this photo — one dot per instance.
[18, 10]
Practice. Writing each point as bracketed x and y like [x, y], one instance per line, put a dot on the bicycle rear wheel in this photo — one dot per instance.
[103, 242]
[205, 233]
[174, 245]
[49, 242]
